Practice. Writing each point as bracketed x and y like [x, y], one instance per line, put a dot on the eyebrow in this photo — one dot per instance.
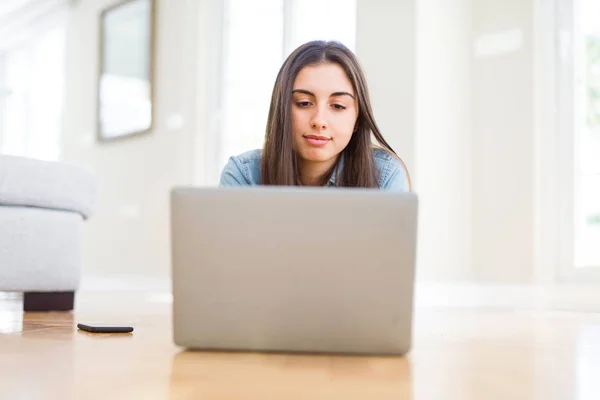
[331, 95]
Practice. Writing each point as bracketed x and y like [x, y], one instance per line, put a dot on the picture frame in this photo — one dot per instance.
[125, 84]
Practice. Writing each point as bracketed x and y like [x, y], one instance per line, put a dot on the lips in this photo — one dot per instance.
[317, 137]
[317, 140]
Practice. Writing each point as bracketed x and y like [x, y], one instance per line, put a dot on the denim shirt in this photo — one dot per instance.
[245, 170]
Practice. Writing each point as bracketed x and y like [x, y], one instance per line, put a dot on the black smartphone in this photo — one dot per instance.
[102, 328]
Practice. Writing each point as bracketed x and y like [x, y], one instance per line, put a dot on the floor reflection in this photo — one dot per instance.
[285, 375]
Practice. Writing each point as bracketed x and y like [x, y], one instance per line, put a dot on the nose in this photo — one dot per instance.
[319, 123]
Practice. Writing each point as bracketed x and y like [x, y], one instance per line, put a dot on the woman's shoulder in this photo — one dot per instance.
[393, 173]
[249, 156]
[242, 169]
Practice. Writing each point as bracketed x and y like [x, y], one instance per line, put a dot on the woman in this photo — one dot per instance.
[319, 129]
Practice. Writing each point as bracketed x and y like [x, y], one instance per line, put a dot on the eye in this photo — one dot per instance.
[303, 104]
[339, 107]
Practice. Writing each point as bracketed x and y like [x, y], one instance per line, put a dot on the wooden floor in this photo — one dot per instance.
[458, 354]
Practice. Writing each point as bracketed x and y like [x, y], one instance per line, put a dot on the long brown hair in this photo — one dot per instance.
[279, 159]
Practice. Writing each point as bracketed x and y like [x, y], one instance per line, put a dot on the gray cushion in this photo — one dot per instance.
[40, 250]
[45, 184]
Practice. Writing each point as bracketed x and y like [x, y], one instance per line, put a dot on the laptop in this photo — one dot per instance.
[290, 269]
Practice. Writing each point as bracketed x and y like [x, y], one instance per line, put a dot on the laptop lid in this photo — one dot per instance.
[293, 269]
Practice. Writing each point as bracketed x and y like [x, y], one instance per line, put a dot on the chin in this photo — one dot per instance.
[317, 155]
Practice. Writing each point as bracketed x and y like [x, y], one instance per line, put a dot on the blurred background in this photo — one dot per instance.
[493, 104]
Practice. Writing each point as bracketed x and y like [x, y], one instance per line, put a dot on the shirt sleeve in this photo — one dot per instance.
[398, 180]
[232, 174]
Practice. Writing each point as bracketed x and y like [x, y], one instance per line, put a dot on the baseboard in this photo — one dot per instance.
[566, 296]
[572, 297]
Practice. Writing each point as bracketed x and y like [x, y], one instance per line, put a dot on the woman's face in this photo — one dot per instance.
[324, 112]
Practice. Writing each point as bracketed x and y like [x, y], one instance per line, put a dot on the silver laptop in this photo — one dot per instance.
[282, 269]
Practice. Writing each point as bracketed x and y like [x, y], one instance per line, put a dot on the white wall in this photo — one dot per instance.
[444, 153]
[130, 230]
[475, 140]
[504, 127]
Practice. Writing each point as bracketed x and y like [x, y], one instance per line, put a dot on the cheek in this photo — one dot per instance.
[298, 121]
[345, 126]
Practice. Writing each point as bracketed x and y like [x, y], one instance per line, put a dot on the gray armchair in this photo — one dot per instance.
[43, 206]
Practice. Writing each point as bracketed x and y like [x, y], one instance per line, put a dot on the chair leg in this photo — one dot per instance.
[48, 301]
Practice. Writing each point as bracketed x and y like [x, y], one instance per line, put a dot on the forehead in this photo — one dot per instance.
[323, 78]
